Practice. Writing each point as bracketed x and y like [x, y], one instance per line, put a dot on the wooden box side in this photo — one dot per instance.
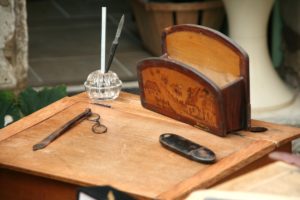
[235, 109]
[182, 93]
[210, 52]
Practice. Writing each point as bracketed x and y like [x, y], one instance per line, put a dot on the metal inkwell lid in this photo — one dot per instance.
[103, 86]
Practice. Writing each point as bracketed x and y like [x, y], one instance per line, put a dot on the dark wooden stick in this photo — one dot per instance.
[115, 44]
[42, 144]
[103, 105]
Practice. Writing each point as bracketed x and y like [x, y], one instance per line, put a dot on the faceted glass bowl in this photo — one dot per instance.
[101, 86]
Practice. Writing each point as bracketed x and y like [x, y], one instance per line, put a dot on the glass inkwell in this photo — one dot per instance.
[104, 84]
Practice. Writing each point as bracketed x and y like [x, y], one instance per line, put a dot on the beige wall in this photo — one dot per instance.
[13, 44]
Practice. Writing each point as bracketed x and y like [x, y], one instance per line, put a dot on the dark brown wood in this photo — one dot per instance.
[216, 67]
[22, 186]
[190, 6]
[25, 186]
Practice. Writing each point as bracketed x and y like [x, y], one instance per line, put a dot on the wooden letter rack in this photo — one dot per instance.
[201, 79]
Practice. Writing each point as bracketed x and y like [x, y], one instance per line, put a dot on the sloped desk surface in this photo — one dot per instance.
[274, 181]
[129, 156]
[277, 178]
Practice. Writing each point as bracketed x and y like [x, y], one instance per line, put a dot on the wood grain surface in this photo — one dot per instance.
[202, 79]
[177, 91]
[207, 54]
[277, 178]
[129, 156]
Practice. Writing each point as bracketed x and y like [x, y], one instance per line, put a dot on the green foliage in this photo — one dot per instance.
[8, 107]
[27, 102]
[31, 100]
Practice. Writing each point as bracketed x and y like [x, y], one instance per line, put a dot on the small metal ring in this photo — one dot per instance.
[102, 128]
[94, 117]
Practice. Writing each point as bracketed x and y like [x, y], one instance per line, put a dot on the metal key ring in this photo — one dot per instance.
[99, 128]
[94, 117]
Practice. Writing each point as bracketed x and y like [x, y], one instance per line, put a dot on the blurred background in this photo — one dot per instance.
[64, 42]
[64, 37]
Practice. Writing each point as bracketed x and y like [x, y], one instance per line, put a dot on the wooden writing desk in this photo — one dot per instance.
[128, 157]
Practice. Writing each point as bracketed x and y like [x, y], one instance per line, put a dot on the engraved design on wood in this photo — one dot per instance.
[180, 95]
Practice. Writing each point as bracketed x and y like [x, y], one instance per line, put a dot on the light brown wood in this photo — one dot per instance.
[277, 178]
[217, 194]
[129, 157]
[125, 153]
[263, 161]
[215, 173]
[206, 54]
[279, 137]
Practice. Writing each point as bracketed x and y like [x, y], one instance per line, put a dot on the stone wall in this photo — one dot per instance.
[13, 44]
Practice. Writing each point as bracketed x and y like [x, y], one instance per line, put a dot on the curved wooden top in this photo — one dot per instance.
[210, 52]
[205, 48]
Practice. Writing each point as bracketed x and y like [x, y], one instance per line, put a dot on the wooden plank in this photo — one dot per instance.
[279, 134]
[191, 6]
[213, 18]
[276, 133]
[217, 194]
[128, 103]
[127, 155]
[216, 172]
[277, 178]
[152, 18]
[158, 21]
[150, 25]
[261, 162]
[187, 17]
